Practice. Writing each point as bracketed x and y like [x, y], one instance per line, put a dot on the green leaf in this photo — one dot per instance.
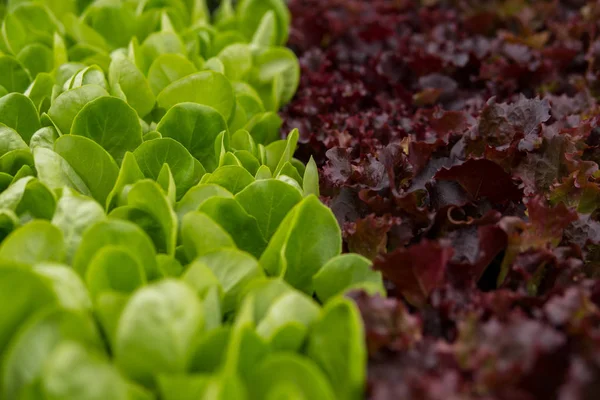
[86, 54]
[5, 180]
[81, 33]
[294, 375]
[197, 195]
[306, 239]
[247, 160]
[114, 269]
[182, 387]
[169, 265]
[336, 344]
[137, 392]
[35, 242]
[113, 232]
[252, 350]
[13, 75]
[151, 135]
[168, 68]
[298, 166]
[147, 197]
[23, 172]
[167, 183]
[213, 308]
[91, 75]
[232, 177]
[248, 99]
[202, 279]
[286, 155]
[263, 173]
[33, 345]
[68, 104]
[63, 73]
[269, 201]
[134, 53]
[224, 14]
[237, 60]
[129, 173]
[225, 386]
[286, 322]
[264, 127]
[91, 162]
[29, 198]
[70, 290]
[345, 272]
[152, 155]
[159, 43]
[40, 91]
[165, 23]
[264, 293]
[59, 50]
[206, 87]
[289, 174]
[8, 222]
[148, 21]
[76, 373]
[242, 140]
[108, 307]
[28, 23]
[196, 127]
[36, 58]
[251, 12]
[230, 159]
[169, 316]
[310, 182]
[14, 160]
[10, 140]
[74, 214]
[200, 234]
[224, 38]
[126, 79]
[55, 172]
[222, 145]
[199, 171]
[266, 33]
[239, 117]
[273, 154]
[276, 76]
[241, 226]
[210, 350]
[246, 348]
[26, 292]
[113, 20]
[111, 123]
[200, 10]
[234, 269]
[61, 7]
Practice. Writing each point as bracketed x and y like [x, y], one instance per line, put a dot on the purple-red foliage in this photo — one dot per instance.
[459, 144]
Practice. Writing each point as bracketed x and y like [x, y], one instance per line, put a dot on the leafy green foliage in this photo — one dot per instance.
[348, 271]
[157, 238]
[19, 112]
[293, 251]
[207, 87]
[111, 123]
[196, 127]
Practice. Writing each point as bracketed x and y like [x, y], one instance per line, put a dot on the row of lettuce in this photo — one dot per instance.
[158, 240]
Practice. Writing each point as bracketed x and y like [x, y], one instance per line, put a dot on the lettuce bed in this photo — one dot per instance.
[158, 239]
[459, 148]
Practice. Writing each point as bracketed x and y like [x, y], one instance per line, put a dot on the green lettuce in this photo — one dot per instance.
[158, 239]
